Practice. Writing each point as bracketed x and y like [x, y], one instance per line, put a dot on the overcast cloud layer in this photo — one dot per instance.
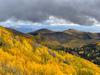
[77, 11]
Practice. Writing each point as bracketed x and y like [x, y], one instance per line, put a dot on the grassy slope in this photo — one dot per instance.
[21, 55]
[69, 38]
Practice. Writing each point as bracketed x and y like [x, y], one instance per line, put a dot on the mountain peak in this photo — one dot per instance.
[73, 31]
[41, 31]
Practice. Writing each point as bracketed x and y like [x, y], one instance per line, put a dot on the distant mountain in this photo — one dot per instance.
[83, 35]
[22, 55]
[67, 38]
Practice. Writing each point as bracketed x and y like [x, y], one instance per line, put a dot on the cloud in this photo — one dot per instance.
[52, 23]
[39, 10]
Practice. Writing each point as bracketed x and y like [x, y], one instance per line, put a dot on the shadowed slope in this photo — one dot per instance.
[67, 38]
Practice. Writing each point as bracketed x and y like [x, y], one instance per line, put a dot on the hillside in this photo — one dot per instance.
[22, 55]
[68, 38]
[82, 44]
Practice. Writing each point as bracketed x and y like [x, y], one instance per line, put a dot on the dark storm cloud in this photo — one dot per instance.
[38, 10]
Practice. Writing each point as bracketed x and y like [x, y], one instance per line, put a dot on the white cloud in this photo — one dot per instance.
[55, 21]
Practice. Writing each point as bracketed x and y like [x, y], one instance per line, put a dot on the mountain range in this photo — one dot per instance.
[67, 38]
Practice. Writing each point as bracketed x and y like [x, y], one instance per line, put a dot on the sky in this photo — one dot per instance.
[83, 12]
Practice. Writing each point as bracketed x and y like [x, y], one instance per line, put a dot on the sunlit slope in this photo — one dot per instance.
[21, 55]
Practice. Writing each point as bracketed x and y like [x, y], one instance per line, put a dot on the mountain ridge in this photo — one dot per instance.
[68, 36]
